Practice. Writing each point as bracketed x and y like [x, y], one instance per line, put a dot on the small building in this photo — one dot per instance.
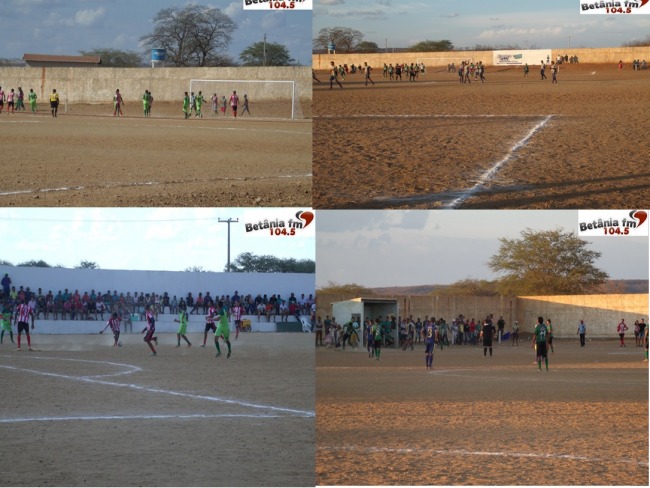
[57, 61]
[360, 309]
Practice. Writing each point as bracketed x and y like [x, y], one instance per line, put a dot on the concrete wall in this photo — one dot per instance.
[173, 282]
[98, 85]
[442, 59]
[601, 313]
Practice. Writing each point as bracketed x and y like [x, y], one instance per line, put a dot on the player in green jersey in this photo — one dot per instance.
[199, 103]
[223, 328]
[186, 106]
[5, 323]
[182, 329]
[540, 340]
[32, 100]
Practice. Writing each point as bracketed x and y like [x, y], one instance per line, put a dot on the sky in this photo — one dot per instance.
[402, 248]
[540, 24]
[163, 239]
[69, 26]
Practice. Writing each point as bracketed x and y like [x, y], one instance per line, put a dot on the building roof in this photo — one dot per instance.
[51, 58]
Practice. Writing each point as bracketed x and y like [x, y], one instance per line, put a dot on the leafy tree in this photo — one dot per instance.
[550, 262]
[366, 47]
[116, 58]
[273, 54]
[351, 289]
[195, 269]
[5, 263]
[35, 264]
[251, 263]
[195, 35]
[469, 287]
[432, 46]
[344, 38]
[87, 265]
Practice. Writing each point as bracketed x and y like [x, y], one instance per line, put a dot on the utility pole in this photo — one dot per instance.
[228, 221]
[264, 62]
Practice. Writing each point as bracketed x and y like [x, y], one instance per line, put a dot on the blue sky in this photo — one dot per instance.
[159, 239]
[68, 26]
[540, 24]
[401, 248]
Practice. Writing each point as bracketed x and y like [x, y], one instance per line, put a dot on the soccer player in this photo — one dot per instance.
[10, 100]
[199, 103]
[192, 102]
[54, 102]
[487, 333]
[146, 103]
[540, 340]
[118, 101]
[215, 104]
[582, 330]
[32, 100]
[223, 329]
[23, 315]
[234, 101]
[549, 327]
[237, 310]
[376, 338]
[20, 100]
[554, 69]
[209, 322]
[621, 328]
[2, 99]
[245, 109]
[645, 340]
[430, 339]
[334, 75]
[368, 69]
[150, 330]
[186, 106]
[5, 320]
[515, 333]
[224, 104]
[114, 324]
[182, 329]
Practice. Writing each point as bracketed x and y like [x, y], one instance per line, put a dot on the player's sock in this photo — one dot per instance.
[19, 337]
[546, 362]
[229, 348]
[29, 340]
[2, 334]
[216, 344]
[539, 363]
[490, 352]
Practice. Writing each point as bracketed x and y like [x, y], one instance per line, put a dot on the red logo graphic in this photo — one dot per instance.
[307, 216]
[639, 215]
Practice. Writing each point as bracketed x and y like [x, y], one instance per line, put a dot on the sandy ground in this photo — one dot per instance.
[87, 157]
[79, 412]
[483, 421]
[429, 144]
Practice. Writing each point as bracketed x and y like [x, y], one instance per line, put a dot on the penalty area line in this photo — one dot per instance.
[464, 452]
[489, 175]
[140, 417]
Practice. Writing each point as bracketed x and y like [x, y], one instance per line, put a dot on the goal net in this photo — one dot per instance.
[267, 99]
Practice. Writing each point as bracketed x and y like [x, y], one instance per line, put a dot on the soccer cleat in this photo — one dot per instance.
[155, 339]
[217, 355]
[19, 349]
[153, 354]
[202, 345]
[228, 355]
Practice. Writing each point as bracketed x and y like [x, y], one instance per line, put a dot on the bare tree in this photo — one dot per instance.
[344, 38]
[195, 35]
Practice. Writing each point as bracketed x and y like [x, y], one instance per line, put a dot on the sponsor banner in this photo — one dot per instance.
[520, 57]
[278, 4]
[613, 223]
[626, 7]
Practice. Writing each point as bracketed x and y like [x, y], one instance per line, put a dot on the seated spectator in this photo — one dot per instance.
[284, 312]
[270, 312]
[261, 310]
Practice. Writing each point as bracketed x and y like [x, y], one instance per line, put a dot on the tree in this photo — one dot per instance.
[639, 43]
[470, 287]
[5, 263]
[195, 35]
[87, 265]
[366, 47]
[273, 54]
[115, 58]
[550, 262]
[251, 263]
[35, 264]
[344, 38]
[350, 289]
[432, 46]
[194, 269]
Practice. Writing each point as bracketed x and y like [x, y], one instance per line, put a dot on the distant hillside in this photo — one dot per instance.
[611, 286]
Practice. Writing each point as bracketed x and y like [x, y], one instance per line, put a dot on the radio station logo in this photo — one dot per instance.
[624, 7]
[613, 223]
[282, 227]
[278, 5]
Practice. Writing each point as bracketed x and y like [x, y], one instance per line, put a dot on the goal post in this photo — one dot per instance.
[267, 98]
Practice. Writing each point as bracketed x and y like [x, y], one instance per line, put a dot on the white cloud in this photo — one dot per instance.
[88, 17]
[331, 2]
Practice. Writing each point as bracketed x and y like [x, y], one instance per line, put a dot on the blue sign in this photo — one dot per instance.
[158, 54]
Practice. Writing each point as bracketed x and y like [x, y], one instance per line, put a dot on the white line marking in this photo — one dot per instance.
[86, 379]
[429, 116]
[138, 417]
[5, 121]
[570, 457]
[146, 183]
[490, 173]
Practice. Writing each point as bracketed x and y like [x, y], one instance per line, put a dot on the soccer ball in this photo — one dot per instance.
[119, 344]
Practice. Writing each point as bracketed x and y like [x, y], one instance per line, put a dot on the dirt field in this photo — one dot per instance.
[508, 143]
[81, 413]
[483, 421]
[89, 158]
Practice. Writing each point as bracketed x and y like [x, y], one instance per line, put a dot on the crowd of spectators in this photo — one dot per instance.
[68, 305]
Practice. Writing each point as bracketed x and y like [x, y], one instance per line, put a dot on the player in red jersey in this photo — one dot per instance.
[234, 101]
[23, 314]
[114, 324]
[150, 329]
[236, 311]
[209, 322]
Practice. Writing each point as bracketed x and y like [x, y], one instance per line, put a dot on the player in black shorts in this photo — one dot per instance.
[487, 333]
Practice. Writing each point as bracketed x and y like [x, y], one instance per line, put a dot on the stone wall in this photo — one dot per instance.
[98, 85]
[601, 313]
